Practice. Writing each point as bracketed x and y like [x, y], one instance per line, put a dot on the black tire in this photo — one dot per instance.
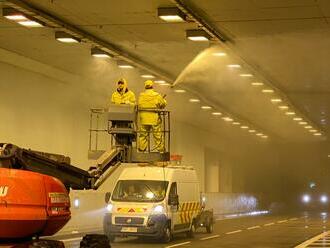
[167, 234]
[191, 232]
[209, 226]
[45, 244]
[95, 241]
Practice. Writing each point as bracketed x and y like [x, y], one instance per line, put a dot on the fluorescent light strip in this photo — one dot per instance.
[217, 113]
[234, 66]
[283, 107]
[276, 100]
[290, 113]
[179, 91]
[268, 91]
[246, 75]
[31, 24]
[147, 76]
[227, 119]
[126, 66]
[171, 18]
[219, 54]
[206, 107]
[16, 17]
[160, 81]
[194, 100]
[257, 84]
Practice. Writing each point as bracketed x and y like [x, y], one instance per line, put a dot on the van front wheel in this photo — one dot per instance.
[167, 234]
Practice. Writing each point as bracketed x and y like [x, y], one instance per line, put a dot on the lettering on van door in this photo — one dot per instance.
[3, 191]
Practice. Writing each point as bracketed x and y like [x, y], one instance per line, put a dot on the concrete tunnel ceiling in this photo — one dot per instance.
[288, 30]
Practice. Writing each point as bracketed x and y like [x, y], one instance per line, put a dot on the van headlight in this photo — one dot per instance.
[159, 209]
[109, 208]
[306, 198]
[324, 199]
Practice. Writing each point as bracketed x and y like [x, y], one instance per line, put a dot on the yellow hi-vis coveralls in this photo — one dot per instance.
[151, 121]
[123, 97]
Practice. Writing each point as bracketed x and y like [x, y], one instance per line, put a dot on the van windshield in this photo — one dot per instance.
[140, 191]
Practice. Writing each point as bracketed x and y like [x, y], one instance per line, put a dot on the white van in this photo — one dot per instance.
[153, 201]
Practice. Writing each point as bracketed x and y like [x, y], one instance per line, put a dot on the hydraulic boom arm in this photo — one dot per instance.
[59, 166]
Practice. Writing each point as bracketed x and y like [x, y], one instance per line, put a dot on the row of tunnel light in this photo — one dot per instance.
[65, 37]
[169, 14]
[278, 101]
[275, 99]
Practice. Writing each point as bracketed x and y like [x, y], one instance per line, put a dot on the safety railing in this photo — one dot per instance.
[123, 124]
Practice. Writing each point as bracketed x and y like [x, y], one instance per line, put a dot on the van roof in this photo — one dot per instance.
[152, 172]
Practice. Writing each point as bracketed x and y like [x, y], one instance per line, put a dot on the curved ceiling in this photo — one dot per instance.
[285, 41]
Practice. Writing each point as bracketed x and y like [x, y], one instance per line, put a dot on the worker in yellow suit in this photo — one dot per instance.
[123, 95]
[150, 121]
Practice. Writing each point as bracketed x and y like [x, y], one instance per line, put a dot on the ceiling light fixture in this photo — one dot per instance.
[276, 100]
[313, 131]
[290, 113]
[217, 113]
[308, 127]
[259, 134]
[303, 123]
[252, 131]
[236, 123]
[21, 18]
[227, 119]
[124, 65]
[244, 127]
[160, 81]
[317, 134]
[147, 76]
[264, 136]
[206, 107]
[164, 84]
[220, 54]
[179, 91]
[257, 84]
[99, 53]
[194, 100]
[13, 14]
[268, 91]
[246, 75]
[297, 119]
[65, 37]
[197, 35]
[171, 14]
[31, 24]
[283, 107]
[234, 66]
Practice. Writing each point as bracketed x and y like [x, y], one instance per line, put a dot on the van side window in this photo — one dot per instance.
[173, 190]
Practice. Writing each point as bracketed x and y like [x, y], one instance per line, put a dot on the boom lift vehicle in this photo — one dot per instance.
[34, 186]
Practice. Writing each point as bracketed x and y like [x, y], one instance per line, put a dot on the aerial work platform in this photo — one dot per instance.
[117, 129]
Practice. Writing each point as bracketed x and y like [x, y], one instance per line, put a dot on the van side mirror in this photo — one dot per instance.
[173, 200]
[107, 197]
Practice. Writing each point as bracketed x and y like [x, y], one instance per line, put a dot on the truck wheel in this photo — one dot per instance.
[167, 234]
[209, 226]
[191, 232]
[95, 241]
